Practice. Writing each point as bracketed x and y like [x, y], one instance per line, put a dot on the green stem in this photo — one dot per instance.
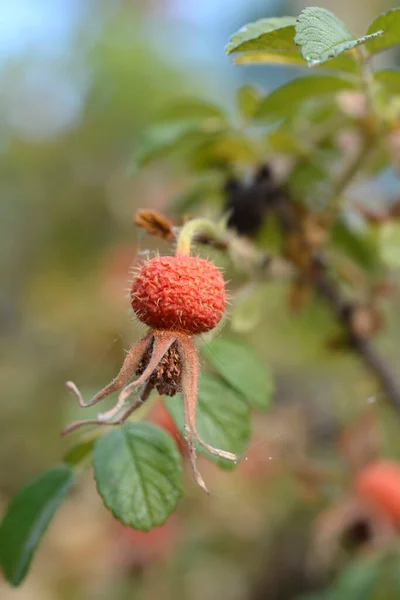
[351, 170]
[367, 83]
[348, 174]
[194, 228]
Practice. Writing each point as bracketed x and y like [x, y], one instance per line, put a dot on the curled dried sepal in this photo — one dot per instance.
[152, 373]
[155, 224]
[190, 379]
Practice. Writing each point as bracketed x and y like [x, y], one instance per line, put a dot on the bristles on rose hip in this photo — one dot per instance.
[179, 293]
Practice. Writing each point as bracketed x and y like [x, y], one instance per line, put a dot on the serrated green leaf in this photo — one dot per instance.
[27, 517]
[222, 417]
[190, 108]
[286, 99]
[321, 35]
[247, 100]
[164, 138]
[390, 80]
[389, 23]
[265, 34]
[389, 242]
[138, 473]
[240, 366]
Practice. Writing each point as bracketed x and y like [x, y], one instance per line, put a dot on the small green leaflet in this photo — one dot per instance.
[321, 35]
[247, 311]
[27, 517]
[220, 151]
[238, 364]
[190, 108]
[204, 189]
[265, 34]
[389, 23]
[163, 138]
[390, 80]
[359, 246]
[286, 99]
[222, 417]
[247, 100]
[79, 452]
[138, 473]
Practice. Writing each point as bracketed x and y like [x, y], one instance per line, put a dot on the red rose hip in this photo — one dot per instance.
[379, 485]
[179, 293]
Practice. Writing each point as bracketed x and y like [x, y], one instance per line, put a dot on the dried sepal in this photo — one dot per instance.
[155, 224]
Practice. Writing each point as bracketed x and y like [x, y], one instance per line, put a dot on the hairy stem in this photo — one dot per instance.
[194, 228]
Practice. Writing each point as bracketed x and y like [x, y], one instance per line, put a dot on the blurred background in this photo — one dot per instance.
[80, 80]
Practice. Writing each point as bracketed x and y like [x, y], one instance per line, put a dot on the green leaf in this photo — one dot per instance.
[272, 41]
[321, 35]
[286, 99]
[238, 364]
[27, 517]
[285, 141]
[138, 473]
[247, 310]
[230, 146]
[163, 138]
[190, 108]
[356, 245]
[222, 417]
[204, 189]
[265, 34]
[247, 100]
[389, 23]
[75, 455]
[358, 580]
[308, 179]
[389, 241]
[389, 79]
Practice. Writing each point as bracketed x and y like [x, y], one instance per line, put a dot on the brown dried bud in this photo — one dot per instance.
[155, 223]
[315, 228]
[166, 377]
[365, 321]
[384, 289]
[298, 251]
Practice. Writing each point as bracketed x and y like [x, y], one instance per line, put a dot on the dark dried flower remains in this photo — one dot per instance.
[166, 377]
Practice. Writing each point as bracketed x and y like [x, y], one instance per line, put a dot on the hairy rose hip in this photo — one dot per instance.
[179, 293]
[177, 297]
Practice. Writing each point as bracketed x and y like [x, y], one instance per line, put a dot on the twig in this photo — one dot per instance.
[389, 383]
